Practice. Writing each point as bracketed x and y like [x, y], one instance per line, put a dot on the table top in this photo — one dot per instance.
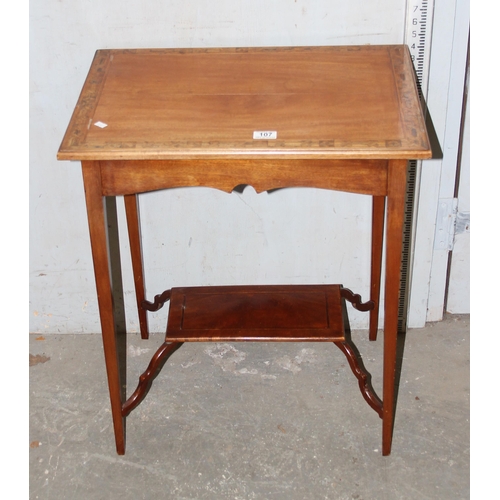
[288, 102]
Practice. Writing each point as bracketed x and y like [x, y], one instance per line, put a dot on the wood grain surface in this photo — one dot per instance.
[322, 102]
[255, 313]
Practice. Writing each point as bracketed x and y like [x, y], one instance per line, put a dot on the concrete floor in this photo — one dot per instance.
[251, 421]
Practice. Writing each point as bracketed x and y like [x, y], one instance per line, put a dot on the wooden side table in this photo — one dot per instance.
[343, 118]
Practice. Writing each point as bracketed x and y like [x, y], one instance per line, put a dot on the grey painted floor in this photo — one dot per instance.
[251, 421]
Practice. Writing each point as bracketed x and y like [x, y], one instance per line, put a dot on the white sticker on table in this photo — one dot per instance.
[265, 134]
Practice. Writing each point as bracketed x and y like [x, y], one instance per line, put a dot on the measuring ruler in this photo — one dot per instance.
[419, 14]
[418, 30]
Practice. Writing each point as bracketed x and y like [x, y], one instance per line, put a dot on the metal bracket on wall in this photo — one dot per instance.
[445, 224]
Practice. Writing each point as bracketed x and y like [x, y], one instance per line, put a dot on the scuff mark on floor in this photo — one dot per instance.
[293, 365]
[187, 364]
[246, 371]
[136, 351]
[118, 460]
[227, 357]
[38, 358]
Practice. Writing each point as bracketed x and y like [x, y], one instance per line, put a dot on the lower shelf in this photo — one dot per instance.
[256, 313]
[287, 313]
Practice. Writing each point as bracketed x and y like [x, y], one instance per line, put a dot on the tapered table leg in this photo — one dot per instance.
[395, 217]
[99, 243]
[378, 212]
[134, 234]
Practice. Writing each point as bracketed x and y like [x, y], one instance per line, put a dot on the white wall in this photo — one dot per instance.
[191, 236]
[437, 184]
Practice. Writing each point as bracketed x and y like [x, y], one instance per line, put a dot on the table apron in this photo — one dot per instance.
[119, 177]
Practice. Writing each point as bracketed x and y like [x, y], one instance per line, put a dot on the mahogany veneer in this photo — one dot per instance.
[255, 313]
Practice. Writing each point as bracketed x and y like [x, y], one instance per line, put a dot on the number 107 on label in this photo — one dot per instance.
[265, 134]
